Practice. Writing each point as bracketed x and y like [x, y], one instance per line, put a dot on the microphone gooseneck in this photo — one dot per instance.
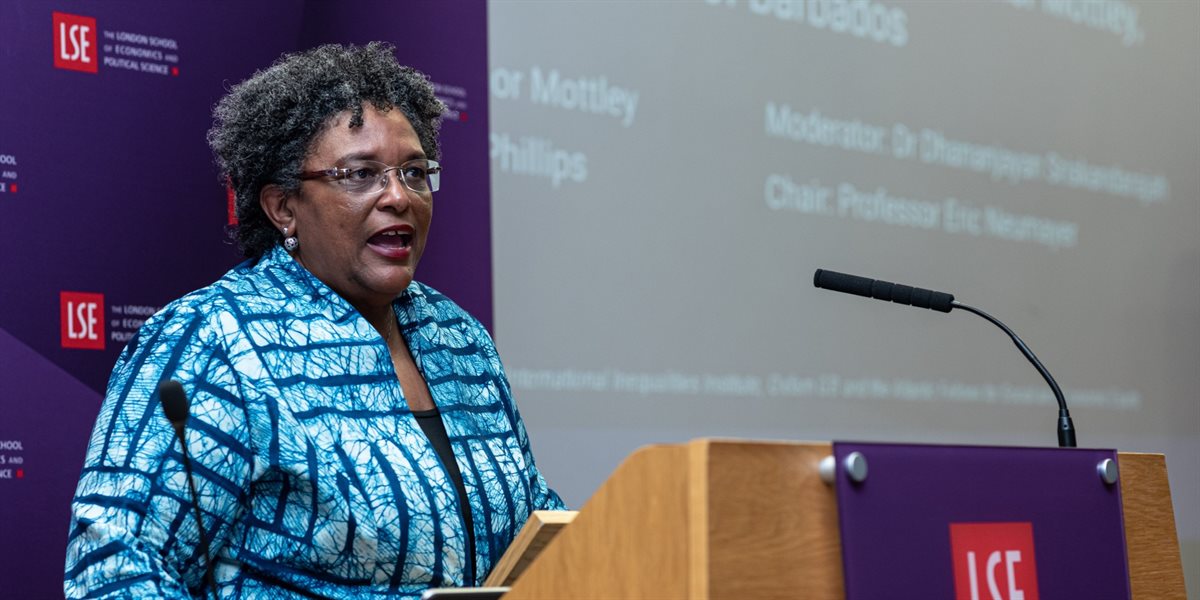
[1066, 428]
[940, 301]
[176, 407]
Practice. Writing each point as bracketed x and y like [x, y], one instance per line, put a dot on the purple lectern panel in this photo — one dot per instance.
[980, 523]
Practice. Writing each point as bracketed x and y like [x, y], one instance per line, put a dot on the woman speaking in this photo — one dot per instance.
[351, 431]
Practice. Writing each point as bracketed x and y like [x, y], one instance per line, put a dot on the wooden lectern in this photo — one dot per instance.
[740, 519]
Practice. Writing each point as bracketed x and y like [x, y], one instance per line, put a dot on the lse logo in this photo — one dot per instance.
[74, 42]
[82, 320]
[993, 561]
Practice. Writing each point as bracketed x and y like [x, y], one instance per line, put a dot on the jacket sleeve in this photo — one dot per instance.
[542, 497]
[133, 532]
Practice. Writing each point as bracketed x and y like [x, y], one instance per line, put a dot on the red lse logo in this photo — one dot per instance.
[993, 561]
[230, 203]
[74, 42]
[82, 320]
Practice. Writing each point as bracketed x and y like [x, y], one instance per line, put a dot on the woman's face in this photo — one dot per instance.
[364, 247]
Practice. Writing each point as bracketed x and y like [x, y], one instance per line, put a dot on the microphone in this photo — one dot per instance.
[883, 290]
[941, 301]
[175, 406]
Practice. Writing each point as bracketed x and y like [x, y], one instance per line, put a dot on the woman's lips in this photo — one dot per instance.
[392, 243]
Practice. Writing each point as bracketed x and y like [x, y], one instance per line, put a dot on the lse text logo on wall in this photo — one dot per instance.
[75, 42]
[82, 317]
[993, 561]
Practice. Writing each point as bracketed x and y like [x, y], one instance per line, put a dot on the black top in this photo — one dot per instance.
[431, 423]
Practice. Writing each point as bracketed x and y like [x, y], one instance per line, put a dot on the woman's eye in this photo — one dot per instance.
[363, 173]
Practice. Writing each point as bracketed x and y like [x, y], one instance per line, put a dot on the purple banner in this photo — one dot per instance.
[980, 523]
[111, 205]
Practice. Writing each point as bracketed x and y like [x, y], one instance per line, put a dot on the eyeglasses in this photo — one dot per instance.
[366, 177]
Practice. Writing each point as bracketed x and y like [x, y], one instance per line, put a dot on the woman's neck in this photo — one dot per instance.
[383, 319]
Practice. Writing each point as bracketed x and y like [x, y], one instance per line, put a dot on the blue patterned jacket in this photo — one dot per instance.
[313, 475]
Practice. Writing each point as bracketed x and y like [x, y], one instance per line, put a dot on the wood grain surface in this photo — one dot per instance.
[1155, 569]
[628, 541]
[533, 538]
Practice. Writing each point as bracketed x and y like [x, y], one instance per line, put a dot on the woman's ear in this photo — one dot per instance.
[274, 202]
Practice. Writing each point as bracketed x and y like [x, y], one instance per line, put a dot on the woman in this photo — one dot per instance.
[317, 371]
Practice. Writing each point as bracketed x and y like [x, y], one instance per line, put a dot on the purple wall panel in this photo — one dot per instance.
[114, 192]
[51, 432]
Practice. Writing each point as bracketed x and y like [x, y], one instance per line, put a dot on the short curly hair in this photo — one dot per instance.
[266, 126]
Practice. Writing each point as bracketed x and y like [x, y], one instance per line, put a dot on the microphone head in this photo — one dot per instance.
[174, 401]
[841, 282]
[883, 290]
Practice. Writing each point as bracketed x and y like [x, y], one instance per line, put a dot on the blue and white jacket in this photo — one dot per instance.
[314, 477]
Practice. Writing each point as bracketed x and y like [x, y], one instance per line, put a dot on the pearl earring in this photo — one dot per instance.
[289, 243]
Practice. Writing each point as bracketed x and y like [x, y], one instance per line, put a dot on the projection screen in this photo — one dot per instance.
[668, 175]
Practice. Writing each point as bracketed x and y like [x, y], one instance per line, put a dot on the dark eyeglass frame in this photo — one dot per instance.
[432, 168]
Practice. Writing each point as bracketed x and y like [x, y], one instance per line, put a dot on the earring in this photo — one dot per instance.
[289, 243]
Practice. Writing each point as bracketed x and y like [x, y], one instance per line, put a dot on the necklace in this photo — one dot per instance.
[389, 333]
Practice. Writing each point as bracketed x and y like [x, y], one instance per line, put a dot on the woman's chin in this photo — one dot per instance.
[396, 281]
[376, 288]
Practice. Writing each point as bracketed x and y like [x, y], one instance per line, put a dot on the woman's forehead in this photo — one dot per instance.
[383, 135]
